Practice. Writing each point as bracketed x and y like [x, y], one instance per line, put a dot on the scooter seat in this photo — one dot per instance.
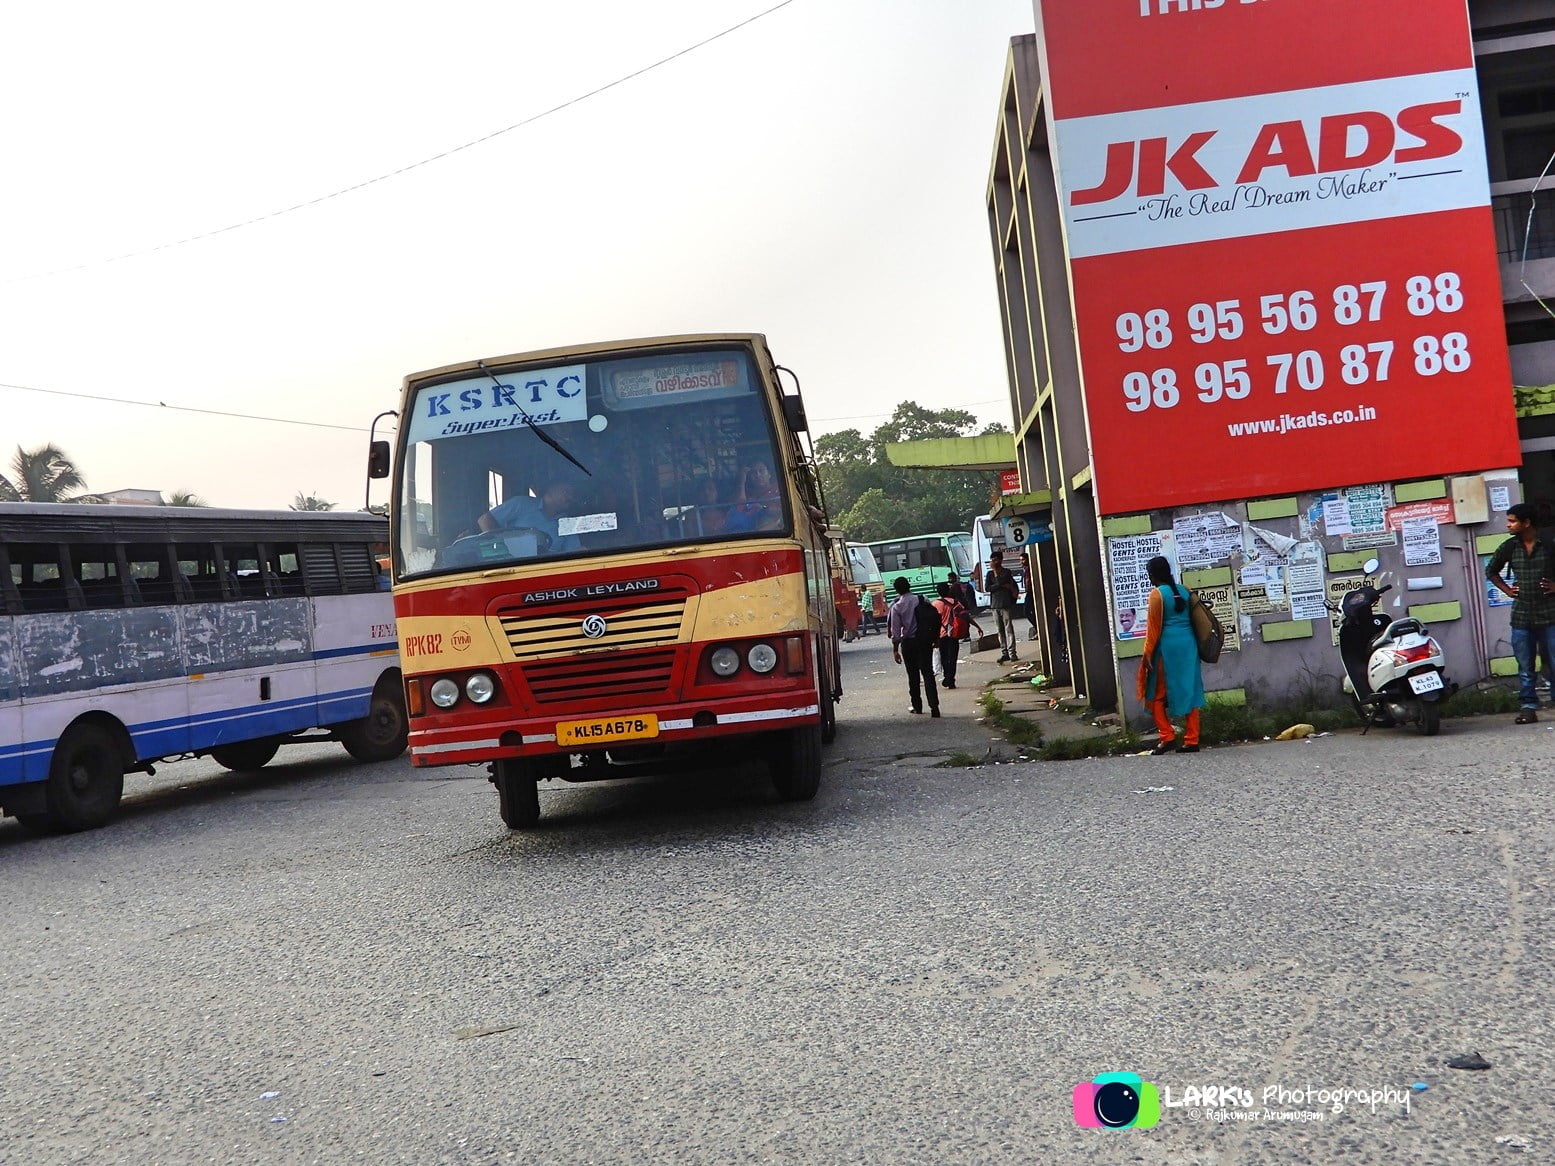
[1398, 629]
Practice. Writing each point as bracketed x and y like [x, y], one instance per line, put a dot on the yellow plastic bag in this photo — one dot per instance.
[1296, 732]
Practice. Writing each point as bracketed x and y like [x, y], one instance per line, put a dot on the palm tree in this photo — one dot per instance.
[310, 502]
[185, 498]
[44, 474]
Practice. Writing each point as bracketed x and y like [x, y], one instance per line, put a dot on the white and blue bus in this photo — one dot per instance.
[136, 634]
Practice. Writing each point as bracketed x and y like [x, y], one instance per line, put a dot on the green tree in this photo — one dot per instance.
[185, 498]
[44, 474]
[873, 517]
[310, 502]
[871, 499]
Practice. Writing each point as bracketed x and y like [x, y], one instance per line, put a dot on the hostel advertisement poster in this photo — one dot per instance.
[1278, 224]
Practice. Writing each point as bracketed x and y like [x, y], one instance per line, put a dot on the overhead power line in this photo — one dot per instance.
[184, 408]
[449, 153]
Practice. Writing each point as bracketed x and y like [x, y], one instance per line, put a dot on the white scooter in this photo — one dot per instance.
[1393, 668]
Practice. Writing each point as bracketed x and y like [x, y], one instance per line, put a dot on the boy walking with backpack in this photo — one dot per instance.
[914, 627]
[953, 621]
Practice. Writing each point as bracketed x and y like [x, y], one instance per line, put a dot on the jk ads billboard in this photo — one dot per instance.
[1283, 264]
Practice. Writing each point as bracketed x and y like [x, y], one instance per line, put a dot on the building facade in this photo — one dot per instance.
[1272, 563]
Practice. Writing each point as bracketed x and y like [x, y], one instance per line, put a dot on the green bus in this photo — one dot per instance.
[926, 560]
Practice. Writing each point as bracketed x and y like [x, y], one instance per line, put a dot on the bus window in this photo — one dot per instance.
[284, 566]
[243, 571]
[39, 581]
[96, 568]
[200, 569]
[152, 570]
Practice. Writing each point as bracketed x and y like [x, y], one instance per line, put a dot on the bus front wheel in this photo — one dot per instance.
[518, 792]
[796, 766]
[380, 735]
[246, 755]
[85, 783]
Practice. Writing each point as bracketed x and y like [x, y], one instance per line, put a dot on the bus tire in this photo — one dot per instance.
[245, 755]
[518, 792]
[382, 734]
[85, 782]
[796, 765]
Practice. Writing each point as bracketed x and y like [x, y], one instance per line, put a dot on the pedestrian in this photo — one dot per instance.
[908, 648]
[1031, 594]
[962, 589]
[1532, 561]
[1002, 591]
[954, 619]
[1170, 682]
[1055, 631]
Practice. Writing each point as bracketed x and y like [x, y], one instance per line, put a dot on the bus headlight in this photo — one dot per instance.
[444, 693]
[724, 661]
[762, 658]
[480, 687]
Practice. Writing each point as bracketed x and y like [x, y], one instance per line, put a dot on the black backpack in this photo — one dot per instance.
[928, 629]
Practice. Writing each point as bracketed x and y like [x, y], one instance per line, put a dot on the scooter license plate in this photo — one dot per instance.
[1426, 682]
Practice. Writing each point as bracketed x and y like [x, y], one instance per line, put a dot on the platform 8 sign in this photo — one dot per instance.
[1284, 268]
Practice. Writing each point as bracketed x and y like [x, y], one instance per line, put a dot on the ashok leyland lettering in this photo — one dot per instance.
[610, 557]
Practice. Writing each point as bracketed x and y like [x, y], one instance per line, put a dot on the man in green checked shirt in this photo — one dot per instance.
[1533, 601]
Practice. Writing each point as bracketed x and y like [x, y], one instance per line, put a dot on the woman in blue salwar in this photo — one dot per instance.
[1170, 682]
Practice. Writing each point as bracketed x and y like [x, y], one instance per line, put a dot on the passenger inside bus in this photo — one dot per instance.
[712, 512]
[758, 505]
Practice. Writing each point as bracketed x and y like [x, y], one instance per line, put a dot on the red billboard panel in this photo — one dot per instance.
[1278, 225]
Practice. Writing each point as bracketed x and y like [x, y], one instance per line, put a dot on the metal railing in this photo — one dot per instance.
[1515, 227]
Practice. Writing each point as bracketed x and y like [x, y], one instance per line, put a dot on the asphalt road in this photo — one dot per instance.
[336, 963]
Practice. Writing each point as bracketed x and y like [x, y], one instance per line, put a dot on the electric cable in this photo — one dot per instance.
[183, 408]
[408, 168]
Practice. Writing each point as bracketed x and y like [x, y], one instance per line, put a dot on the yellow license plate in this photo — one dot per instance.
[603, 730]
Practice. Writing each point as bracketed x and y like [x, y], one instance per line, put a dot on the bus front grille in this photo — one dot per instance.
[601, 681]
[631, 624]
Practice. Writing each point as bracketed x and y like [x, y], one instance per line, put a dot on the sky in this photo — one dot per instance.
[174, 231]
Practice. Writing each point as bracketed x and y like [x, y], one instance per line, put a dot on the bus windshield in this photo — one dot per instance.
[961, 559]
[674, 446]
[863, 564]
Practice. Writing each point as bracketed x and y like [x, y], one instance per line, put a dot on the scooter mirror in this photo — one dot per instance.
[1370, 566]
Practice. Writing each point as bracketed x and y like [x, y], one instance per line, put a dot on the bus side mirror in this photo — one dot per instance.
[378, 460]
[793, 413]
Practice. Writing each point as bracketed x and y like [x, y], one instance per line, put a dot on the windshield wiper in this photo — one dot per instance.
[530, 421]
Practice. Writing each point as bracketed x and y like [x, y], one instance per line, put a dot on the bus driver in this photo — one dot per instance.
[527, 512]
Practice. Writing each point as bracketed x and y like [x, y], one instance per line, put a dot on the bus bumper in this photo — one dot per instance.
[676, 724]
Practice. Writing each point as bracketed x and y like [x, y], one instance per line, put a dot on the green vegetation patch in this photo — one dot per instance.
[1016, 730]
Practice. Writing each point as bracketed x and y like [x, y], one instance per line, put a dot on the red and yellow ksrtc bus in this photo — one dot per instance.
[611, 555]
